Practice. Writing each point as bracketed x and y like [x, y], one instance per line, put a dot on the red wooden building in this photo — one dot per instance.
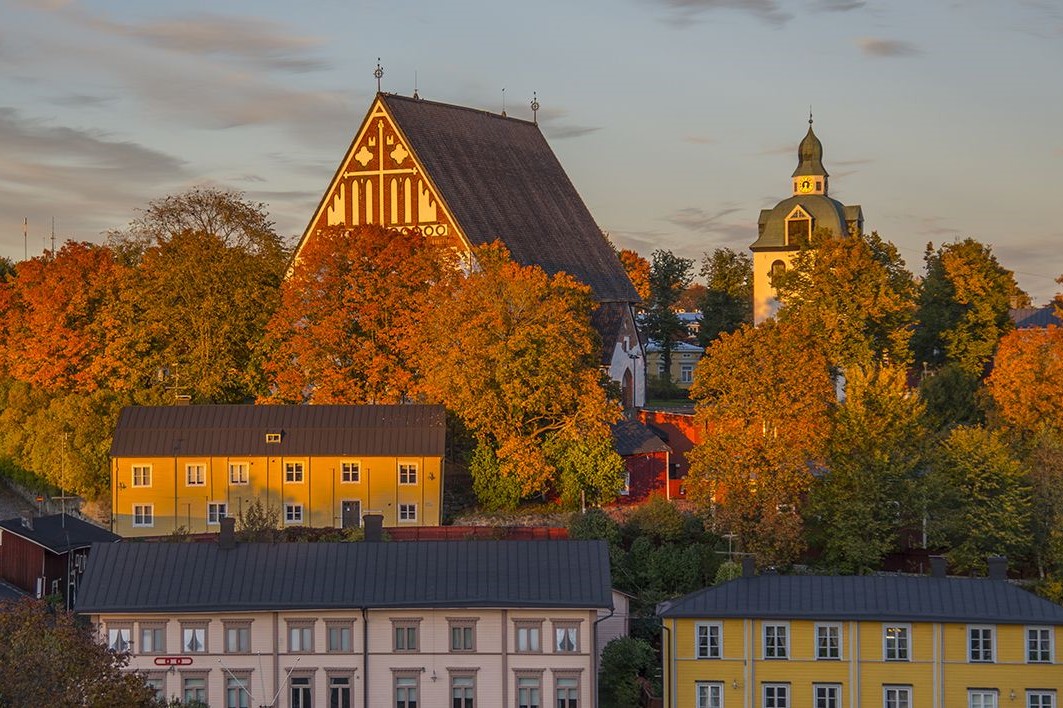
[647, 460]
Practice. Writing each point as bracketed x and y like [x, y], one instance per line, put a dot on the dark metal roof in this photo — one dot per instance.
[59, 533]
[868, 597]
[826, 213]
[200, 577]
[1034, 317]
[631, 437]
[500, 180]
[163, 431]
[810, 155]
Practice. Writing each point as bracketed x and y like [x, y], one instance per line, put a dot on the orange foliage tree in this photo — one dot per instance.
[1027, 380]
[638, 271]
[349, 312]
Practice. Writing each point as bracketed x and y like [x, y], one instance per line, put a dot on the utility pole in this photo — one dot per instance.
[25, 238]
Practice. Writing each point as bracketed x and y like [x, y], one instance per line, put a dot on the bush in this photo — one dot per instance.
[624, 661]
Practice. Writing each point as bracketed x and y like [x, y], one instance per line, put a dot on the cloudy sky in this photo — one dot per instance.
[678, 120]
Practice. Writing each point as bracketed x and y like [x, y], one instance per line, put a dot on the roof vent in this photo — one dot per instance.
[938, 566]
[227, 536]
[374, 526]
[27, 522]
[273, 437]
[182, 399]
[998, 567]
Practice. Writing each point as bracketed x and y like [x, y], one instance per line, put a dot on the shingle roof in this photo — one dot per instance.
[631, 437]
[163, 431]
[500, 180]
[199, 577]
[868, 597]
[60, 533]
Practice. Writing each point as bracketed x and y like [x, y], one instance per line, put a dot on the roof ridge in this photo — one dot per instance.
[483, 111]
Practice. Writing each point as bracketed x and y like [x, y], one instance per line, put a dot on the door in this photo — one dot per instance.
[351, 514]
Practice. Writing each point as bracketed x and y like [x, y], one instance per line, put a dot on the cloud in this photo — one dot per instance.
[552, 123]
[838, 5]
[702, 222]
[877, 47]
[767, 10]
[698, 139]
[82, 100]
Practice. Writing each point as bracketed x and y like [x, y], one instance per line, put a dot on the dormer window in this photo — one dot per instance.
[798, 228]
[273, 437]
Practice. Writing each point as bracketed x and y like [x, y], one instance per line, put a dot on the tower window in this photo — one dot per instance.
[798, 232]
[777, 269]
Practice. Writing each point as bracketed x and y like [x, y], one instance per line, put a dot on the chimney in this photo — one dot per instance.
[182, 399]
[998, 567]
[374, 527]
[749, 567]
[227, 535]
[938, 566]
[27, 522]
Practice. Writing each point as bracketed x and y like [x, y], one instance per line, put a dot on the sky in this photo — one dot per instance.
[677, 120]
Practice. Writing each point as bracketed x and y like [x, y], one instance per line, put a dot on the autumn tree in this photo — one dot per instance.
[512, 352]
[876, 452]
[349, 313]
[638, 272]
[670, 275]
[1026, 384]
[49, 658]
[765, 394]
[727, 303]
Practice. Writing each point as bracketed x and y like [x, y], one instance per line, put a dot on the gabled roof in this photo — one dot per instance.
[1034, 317]
[500, 180]
[631, 437]
[868, 597]
[219, 430]
[201, 577]
[59, 533]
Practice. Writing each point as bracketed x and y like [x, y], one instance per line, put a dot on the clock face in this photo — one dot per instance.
[804, 186]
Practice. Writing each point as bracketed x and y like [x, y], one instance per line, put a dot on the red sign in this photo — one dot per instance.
[173, 661]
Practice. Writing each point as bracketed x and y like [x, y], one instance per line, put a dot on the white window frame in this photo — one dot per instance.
[294, 472]
[686, 373]
[350, 472]
[1030, 650]
[708, 694]
[216, 511]
[120, 639]
[144, 475]
[780, 695]
[983, 698]
[826, 695]
[706, 629]
[190, 634]
[408, 513]
[903, 638]
[200, 480]
[293, 514]
[1039, 694]
[896, 696]
[143, 515]
[977, 657]
[785, 626]
[409, 470]
[242, 472]
[827, 627]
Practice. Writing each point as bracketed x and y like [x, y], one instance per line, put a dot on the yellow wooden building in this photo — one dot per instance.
[190, 466]
[891, 641]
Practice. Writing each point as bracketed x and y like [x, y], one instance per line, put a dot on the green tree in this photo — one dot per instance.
[875, 454]
[626, 663]
[979, 499]
[670, 276]
[1044, 456]
[49, 658]
[727, 303]
[589, 471]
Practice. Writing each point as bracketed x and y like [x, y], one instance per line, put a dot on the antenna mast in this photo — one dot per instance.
[25, 238]
[53, 237]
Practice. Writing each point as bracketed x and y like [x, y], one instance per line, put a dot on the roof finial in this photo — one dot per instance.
[503, 102]
[535, 108]
[378, 73]
[810, 115]
[415, 96]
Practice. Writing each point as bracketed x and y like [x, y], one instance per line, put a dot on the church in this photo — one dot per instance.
[468, 177]
[791, 223]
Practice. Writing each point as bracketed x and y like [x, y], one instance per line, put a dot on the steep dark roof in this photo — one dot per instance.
[810, 155]
[1034, 317]
[163, 431]
[500, 180]
[200, 577]
[868, 597]
[631, 437]
[59, 534]
[608, 321]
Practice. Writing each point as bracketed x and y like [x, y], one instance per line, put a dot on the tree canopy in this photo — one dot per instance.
[727, 302]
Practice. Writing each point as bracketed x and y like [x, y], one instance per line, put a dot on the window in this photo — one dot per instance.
[709, 695]
[143, 514]
[338, 636]
[980, 644]
[528, 688]
[273, 437]
[300, 692]
[895, 643]
[141, 475]
[238, 472]
[236, 693]
[826, 695]
[777, 268]
[407, 473]
[118, 639]
[462, 634]
[566, 637]
[216, 511]
[776, 695]
[1040, 699]
[194, 639]
[152, 639]
[686, 373]
[462, 691]
[237, 637]
[293, 472]
[1039, 644]
[626, 489]
[405, 692]
[407, 512]
[896, 697]
[776, 645]
[798, 232]
[351, 472]
[339, 692]
[405, 631]
[528, 633]
[195, 475]
[157, 684]
[300, 636]
[708, 641]
[981, 698]
[567, 690]
[828, 641]
[195, 689]
[293, 513]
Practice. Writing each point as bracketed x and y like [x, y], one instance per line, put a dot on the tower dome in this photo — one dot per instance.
[810, 155]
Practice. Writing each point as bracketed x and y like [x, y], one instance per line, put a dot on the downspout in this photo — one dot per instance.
[276, 654]
[668, 474]
[505, 658]
[365, 658]
[595, 657]
[668, 659]
[114, 486]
